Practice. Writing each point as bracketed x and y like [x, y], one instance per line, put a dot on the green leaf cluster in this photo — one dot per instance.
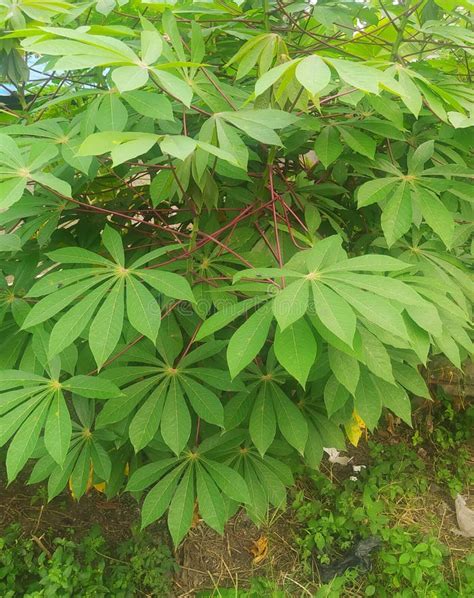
[228, 232]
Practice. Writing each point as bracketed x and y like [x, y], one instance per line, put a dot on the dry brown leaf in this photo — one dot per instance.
[391, 424]
[196, 517]
[259, 550]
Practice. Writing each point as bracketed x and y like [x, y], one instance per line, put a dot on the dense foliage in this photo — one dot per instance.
[232, 231]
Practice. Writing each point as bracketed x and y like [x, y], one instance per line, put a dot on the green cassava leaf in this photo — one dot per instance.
[113, 243]
[358, 141]
[146, 421]
[334, 312]
[58, 429]
[143, 310]
[291, 303]
[226, 231]
[247, 341]
[367, 401]
[328, 146]
[296, 348]
[211, 504]
[180, 514]
[168, 283]
[178, 146]
[436, 215]
[345, 368]
[228, 480]
[313, 74]
[175, 418]
[157, 500]
[375, 190]
[262, 425]
[225, 316]
[92, 387]
[204, 402]
[397, 214]
[291, 421]
[106, 327]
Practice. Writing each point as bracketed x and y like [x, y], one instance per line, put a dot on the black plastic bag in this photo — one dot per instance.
[358, 556]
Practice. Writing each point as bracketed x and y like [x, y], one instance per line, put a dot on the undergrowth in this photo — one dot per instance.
[394, 499]
[89, 568]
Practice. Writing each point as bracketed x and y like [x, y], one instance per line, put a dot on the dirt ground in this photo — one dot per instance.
[28, 506]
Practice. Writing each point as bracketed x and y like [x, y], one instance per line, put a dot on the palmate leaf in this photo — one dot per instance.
[165, 398]
[180, 483]
[291, 422]
[328, 146]
[106, 328]
[247, 468]
[24, 441]
[376, 356]
[30, 402]
[119, 284]
[158, 499]
[313, 451]
[262, 424]
[334, 312]
[271, 407]
[260, 124]
[228, 480]
[204, 402]
[265, 485]
[19, 170]
[436, 215]
[399, 195]
[345, 368]
[335, 395]
[358, 141]
[291, 303]
[340, 296]
[397, 214]
[313, 73]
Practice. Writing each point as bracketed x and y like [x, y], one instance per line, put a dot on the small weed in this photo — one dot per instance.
[85, 568]
[260, 587]
[451, 461]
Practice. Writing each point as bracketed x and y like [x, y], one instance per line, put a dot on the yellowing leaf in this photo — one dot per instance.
[354, 428]
[100, 487]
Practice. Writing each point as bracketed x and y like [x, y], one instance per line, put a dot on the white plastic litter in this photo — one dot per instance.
[336, 457]
[465, 517]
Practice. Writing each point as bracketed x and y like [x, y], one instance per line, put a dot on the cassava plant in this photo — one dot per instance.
[232, 232]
